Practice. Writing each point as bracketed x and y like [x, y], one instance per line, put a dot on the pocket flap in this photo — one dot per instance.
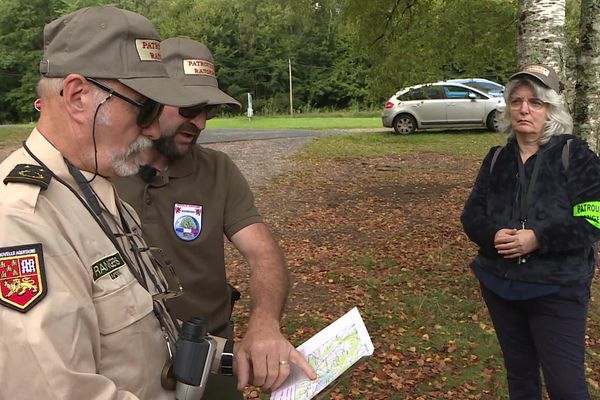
[122, 307]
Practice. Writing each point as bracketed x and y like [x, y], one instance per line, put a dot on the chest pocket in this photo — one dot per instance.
[122, 307]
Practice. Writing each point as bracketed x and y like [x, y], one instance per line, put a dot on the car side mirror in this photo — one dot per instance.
[472, 96]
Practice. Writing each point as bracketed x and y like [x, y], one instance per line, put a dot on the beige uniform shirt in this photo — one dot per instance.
[93, 335]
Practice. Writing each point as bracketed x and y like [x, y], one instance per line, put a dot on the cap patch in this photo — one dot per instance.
[187, 221]
[148, 49]
[27, 173]
[537, 69]
[198, 67]
[22, 276]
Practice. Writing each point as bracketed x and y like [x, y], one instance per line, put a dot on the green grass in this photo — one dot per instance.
[14, 132]
[447, 313]
[317, 123]
[472, 144]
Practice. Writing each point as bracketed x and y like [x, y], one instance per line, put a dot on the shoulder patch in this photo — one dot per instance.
[27, 173]
[22, 276]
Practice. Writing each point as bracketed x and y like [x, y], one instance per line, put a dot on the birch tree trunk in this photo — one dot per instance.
[587, 89]
[541, 34]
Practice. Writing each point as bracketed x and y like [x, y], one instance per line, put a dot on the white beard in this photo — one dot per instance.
[127, 163]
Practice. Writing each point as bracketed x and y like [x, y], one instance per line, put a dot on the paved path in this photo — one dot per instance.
[259, 153]
[214, 135]
[262, 154]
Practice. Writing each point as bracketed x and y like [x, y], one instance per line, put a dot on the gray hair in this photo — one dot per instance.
[559, 120]
[47, 87]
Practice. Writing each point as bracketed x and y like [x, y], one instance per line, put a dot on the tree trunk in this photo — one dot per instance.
[587, 89]
[541, 33]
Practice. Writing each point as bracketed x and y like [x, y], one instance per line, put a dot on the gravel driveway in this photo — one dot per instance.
[261, 155]
[260, 160]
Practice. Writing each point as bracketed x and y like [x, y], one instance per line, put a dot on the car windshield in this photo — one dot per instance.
[485, 86]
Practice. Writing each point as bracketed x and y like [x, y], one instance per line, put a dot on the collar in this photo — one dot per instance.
[176, 169]
[55, 162]
[556, 140]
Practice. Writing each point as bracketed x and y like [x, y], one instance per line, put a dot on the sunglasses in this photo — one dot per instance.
[149, 110]
[192, 112]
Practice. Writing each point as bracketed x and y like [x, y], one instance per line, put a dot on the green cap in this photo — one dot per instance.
[109, 43]
[191, 63]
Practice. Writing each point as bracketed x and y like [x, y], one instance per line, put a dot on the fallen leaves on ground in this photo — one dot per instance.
[384, 234]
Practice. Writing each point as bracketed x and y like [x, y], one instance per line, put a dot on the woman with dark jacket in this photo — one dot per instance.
[534, 212]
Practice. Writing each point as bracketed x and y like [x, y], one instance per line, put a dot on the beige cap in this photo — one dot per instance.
[191, 63]
[109, 43]
[545, 74]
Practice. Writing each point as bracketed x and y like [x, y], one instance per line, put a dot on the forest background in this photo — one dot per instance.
[344, 54]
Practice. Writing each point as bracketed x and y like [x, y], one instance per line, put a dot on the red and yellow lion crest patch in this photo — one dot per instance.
[22, 276]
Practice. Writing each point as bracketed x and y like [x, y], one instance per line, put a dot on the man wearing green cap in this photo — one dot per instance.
[81, 301]
[188, 198]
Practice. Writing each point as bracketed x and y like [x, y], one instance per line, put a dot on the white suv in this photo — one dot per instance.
[441, 105]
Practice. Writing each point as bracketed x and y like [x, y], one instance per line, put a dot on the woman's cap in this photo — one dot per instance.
[543, 73]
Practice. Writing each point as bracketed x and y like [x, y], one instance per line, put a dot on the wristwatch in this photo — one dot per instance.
[227, 358]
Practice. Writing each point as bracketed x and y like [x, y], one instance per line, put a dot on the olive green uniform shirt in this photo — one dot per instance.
[207, 182]
[202, 178]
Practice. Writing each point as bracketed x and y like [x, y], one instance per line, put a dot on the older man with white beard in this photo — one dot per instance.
[81, 301]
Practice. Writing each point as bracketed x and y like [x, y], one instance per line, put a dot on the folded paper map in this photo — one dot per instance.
[330, 352]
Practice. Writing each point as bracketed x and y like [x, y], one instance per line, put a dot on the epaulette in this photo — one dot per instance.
[27, 173]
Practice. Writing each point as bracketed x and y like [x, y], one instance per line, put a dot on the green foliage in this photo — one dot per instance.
[412, 42]
[252, 41]
[21, 43]
[21, 25]
[344, 53]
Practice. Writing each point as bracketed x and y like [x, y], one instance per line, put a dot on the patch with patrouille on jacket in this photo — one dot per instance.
[22, 276]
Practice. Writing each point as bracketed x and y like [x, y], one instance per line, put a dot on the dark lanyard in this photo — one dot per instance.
[91, 204]
[526, 190]
[92, 201]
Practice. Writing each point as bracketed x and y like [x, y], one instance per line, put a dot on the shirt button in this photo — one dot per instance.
[148, 200]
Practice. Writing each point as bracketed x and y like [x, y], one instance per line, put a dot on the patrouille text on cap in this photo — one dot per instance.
[537, 68]
[148, 49]
[198, 67]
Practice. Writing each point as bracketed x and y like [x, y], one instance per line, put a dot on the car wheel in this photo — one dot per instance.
[492, 121]
[404, 124]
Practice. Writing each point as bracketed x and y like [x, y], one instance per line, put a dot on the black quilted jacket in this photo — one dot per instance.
[566, 253]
